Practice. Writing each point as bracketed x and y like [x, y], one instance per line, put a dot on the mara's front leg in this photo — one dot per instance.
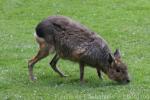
[81, 72]
[99, 73]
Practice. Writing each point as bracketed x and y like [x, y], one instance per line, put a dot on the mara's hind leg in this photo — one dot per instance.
[42, 53]
[54, 67]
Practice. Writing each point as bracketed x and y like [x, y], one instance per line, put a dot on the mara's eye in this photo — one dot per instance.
[117, 70]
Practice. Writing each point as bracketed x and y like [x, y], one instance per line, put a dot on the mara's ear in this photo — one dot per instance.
[117, 54]
[110, 59]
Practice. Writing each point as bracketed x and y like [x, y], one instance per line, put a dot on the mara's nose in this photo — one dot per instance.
[128, 80]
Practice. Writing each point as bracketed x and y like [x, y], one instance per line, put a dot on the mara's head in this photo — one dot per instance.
[117, 70]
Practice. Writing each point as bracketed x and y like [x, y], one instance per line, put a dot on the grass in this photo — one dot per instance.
[125, 24]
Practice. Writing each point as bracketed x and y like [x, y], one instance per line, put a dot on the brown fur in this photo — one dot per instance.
[73, 41]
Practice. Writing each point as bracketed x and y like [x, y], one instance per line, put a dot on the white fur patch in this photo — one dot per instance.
[39, 39]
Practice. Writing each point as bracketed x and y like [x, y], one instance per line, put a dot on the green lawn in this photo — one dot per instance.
[125, 24]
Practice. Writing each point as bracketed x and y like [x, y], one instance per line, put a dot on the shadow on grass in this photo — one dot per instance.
[52, 81]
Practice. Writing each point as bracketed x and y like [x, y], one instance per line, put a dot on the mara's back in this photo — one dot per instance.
[61, 25]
